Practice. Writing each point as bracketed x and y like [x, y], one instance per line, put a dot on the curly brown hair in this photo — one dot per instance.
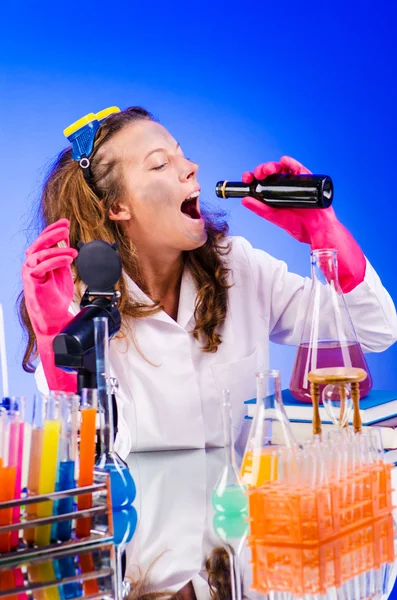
[219, 580]
[66, 194]
[218, 569]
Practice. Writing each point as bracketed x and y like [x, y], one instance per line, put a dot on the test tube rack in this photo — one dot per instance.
[301, 570]
[290, 515]
[25, 572]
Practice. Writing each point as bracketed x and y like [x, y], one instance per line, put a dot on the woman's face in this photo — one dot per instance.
[161, 191]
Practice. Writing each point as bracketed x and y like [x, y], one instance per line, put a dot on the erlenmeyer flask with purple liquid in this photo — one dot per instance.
[328, 337]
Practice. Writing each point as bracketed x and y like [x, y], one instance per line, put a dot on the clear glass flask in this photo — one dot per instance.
[328, 336]
[121, 482]
[229, 496]
[270, 429]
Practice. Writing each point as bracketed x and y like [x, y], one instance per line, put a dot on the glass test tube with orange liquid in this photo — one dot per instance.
[89, 405]
[89, 410]
[260, 461]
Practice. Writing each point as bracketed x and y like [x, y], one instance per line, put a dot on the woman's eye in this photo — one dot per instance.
[159, 167]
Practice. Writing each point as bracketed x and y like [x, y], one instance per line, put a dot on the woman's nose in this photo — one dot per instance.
[188, 169]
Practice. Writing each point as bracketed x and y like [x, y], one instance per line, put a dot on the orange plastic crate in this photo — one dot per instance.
[312, 570]
[301, 515]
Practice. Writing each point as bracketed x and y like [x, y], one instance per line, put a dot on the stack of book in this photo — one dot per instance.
[378, 409]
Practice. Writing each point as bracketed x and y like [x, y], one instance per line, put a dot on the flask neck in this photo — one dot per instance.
[324, 264]
[107, 431]
[269, 409]
[230, 458]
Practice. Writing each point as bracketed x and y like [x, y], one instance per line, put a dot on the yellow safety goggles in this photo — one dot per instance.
[81, 134]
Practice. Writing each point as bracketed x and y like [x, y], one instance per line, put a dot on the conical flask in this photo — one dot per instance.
[328, 337]
[270, 429]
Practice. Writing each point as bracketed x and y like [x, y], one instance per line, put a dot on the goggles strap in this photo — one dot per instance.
[85, 166]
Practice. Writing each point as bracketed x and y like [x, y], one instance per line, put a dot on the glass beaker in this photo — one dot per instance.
[270, 429]
[328, 336]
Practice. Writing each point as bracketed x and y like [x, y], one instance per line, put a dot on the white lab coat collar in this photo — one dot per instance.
[186, 305]
[140, 296]
[187, 299]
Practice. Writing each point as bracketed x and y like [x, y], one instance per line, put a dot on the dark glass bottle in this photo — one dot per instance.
[283, 191]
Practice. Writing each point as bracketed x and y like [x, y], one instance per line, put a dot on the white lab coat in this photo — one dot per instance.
[169, 389]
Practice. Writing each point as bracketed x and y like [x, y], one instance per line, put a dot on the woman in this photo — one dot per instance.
[198, 307]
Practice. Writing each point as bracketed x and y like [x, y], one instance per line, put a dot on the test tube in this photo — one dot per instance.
[7, 582]
[3, 467]
[67, 460]
[42, 573]
[87, 565]
[17, 430]
[48, 466]
[376, 444]
[11, 462]
[89, 404]
[8, 474]
[47, 480]
[27, 419]
[36, 447]
[3, 423]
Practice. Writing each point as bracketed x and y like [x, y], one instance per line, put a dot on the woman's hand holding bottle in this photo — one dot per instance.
[318, 227]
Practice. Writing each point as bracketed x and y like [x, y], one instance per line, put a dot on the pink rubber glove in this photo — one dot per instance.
[318, 227]
[49, 289]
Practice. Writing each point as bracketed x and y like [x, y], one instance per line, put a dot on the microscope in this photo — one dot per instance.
[99, 266]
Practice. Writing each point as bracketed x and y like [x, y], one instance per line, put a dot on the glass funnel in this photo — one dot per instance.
[328, 337]
[270, 429]
[121, 482]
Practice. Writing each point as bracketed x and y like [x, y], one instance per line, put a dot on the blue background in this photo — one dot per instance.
[236, 85]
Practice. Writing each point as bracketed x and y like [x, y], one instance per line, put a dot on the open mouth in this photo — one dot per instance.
[189, 207]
